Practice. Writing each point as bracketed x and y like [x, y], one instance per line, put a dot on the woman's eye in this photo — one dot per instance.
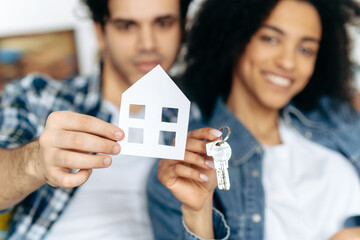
[306, 51]
[268, 39]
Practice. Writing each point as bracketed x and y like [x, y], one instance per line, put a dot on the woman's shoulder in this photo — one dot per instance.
[334, 113]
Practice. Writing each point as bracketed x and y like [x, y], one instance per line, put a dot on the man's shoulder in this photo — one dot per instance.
[38, 83]
[39, 89]
[35, 96]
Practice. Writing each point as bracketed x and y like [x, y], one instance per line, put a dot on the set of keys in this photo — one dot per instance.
[221, 152]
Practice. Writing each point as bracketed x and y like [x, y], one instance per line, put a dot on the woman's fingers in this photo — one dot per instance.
[210, 134]
[168, 176]
[201, 161]
[165, 163]
[197, 139]
[196, 146]
[195, 154]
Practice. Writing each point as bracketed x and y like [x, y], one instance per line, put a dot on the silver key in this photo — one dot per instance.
[221, 152]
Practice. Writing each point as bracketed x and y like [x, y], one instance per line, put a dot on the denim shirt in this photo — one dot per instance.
[239, 212]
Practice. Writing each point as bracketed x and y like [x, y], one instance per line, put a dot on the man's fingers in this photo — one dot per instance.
[76, 160]
[210, 134]
[83, 123]
[80, 141]
[69, 180]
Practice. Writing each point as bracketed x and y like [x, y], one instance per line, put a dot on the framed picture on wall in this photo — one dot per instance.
[52, 53]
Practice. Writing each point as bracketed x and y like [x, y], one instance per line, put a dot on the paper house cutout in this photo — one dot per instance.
[157, 92]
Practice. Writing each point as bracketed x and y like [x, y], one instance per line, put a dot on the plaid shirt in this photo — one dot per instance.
[24, 108]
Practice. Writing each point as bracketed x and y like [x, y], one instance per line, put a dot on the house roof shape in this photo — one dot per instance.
[156, 90]
[159, 86]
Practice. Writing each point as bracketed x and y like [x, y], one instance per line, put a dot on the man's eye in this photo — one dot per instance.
[124, 26]
[268, 39]
[165, 23]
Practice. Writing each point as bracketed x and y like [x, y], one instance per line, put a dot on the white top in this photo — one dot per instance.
[111, 204]
[309, 190]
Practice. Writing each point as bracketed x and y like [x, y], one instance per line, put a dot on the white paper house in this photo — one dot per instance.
[157, 92]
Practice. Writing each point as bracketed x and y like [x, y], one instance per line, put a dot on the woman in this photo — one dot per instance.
[278, 74]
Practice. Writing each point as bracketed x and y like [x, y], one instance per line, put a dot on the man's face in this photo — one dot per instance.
[139, 35]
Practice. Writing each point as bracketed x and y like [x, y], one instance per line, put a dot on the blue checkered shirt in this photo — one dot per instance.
[24, 107]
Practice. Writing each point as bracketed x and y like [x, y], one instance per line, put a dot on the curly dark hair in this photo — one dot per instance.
[100, 11]
[223, 29]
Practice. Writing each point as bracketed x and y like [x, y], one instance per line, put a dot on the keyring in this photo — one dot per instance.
[227, 136]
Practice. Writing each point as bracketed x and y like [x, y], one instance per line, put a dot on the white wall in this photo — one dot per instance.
[37, 16]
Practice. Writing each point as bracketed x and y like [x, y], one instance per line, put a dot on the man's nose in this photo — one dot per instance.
[146, 39]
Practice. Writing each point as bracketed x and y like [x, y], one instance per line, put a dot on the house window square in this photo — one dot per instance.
[137, 111]
[136, 135]
[172, 112]
[167, 137]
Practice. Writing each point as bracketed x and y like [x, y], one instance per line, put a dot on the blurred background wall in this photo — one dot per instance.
[355, 33]
[34, 33]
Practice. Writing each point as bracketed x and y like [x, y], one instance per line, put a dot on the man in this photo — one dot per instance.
[48, 128]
